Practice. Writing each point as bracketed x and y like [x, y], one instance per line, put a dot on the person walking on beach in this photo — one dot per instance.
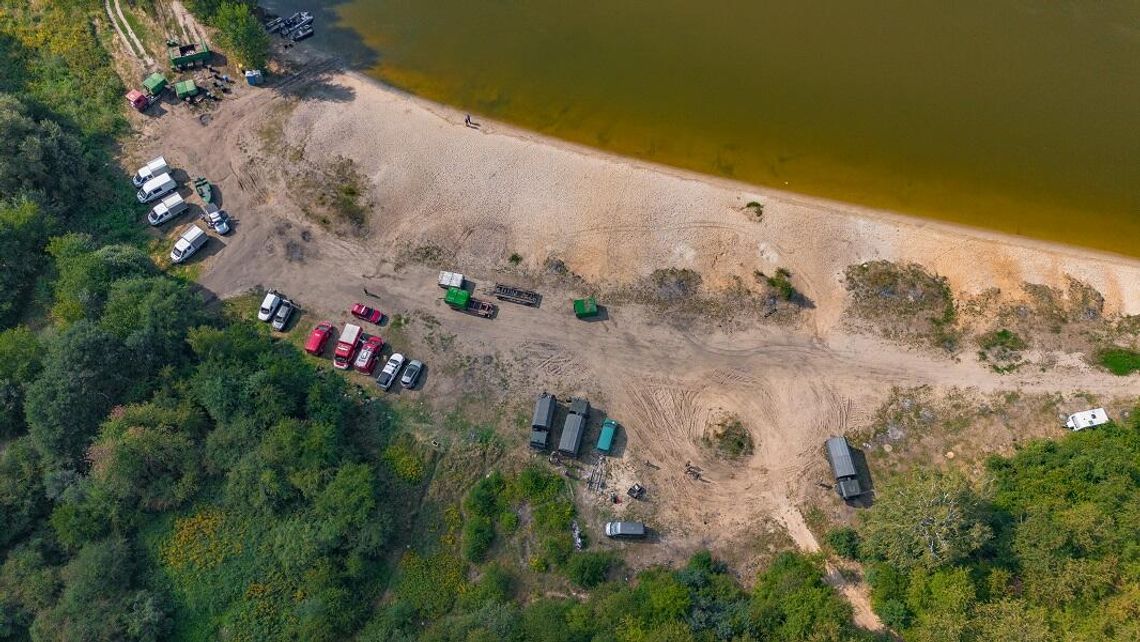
[467, 121]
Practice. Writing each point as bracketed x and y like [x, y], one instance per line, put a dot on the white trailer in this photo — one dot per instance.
[1087, 419]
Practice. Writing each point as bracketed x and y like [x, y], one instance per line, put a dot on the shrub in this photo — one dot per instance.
[844, 541]
[515, 259]
[478, 533]
[588, 570]
[1119, 361]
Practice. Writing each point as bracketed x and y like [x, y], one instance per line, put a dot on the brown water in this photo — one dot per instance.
[1019, 116]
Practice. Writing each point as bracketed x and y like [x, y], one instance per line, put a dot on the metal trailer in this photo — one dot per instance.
[185, 89]
[843, 467]
[516, 295]
[155, 84]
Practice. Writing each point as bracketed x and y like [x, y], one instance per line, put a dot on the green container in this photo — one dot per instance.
[185, 89]
[584, 308]
[154, 83]
[457, 298]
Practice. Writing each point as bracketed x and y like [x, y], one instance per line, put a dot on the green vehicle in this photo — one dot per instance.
[187, 55]
[585, 308]
[461, 300]
[606, 439]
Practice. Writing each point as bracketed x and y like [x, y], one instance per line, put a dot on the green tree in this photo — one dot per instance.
[925, 520]
[19, 365]
[22, 496]
[152, 316]
[790, 602]
[23, 233]
[587, 570]
[86, 370]
[39, 159]
[87, 272]
[241, 33]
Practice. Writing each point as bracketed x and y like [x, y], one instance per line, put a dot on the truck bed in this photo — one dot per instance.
[480, 308]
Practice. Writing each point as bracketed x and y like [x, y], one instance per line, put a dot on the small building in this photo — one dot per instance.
[543, 420]
[1087, 419]
[843, 467]
[254, 77]
[585, 308]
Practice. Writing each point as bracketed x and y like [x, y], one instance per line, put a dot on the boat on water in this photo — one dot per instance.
[302, 33]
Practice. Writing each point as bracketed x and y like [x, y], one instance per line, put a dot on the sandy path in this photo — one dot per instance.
[131, 33]
[485, 194]
[119, 30]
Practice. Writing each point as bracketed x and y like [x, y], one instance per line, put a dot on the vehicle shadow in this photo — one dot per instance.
[867, 499]
[602, 315]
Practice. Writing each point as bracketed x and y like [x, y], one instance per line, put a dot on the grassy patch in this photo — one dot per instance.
[1119, 361]
[729, 438]
[335, 195]
[904, 301]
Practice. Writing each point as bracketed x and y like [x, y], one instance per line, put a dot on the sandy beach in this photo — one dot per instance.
[496, 190]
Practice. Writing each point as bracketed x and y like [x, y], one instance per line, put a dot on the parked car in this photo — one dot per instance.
[156, 167]
[346, 346]
[190, 242]
[269, 305]
[284, 311]
[625, 530]
[167, 209]
[369, 352]
[387, 376]
[156, 187]
[315, 344]
[217, 219]
[365, 313]
[412, 374]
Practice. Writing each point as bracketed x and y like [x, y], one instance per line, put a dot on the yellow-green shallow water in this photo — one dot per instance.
[1017, 116]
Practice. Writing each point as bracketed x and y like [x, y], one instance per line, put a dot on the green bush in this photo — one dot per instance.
[478, 533]
[241, 33]
[844, 541]
[587, 570]
[1119, 361]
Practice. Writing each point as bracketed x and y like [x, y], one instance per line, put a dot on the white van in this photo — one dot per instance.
[191, 240]
[156, 187]
[156, 167]
[170, 207]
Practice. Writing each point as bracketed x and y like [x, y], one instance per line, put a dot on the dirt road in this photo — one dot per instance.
[792, 386]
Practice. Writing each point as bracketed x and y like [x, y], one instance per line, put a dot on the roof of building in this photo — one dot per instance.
[839, 454]
[544, 412]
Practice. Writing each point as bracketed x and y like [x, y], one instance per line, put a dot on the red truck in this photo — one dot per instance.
[346, 346]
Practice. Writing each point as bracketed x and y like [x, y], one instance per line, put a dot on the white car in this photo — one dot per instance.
[387, 376]
[284, 311]
[269, 305]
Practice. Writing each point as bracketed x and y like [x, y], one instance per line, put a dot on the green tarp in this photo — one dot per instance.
[585, 307]
[457, 298]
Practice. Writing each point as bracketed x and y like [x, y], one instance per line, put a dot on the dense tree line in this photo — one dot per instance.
[1045, 547]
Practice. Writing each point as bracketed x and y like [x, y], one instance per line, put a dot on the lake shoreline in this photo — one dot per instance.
[696, 221]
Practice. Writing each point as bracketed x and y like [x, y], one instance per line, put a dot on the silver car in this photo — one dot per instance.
[412, 374]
